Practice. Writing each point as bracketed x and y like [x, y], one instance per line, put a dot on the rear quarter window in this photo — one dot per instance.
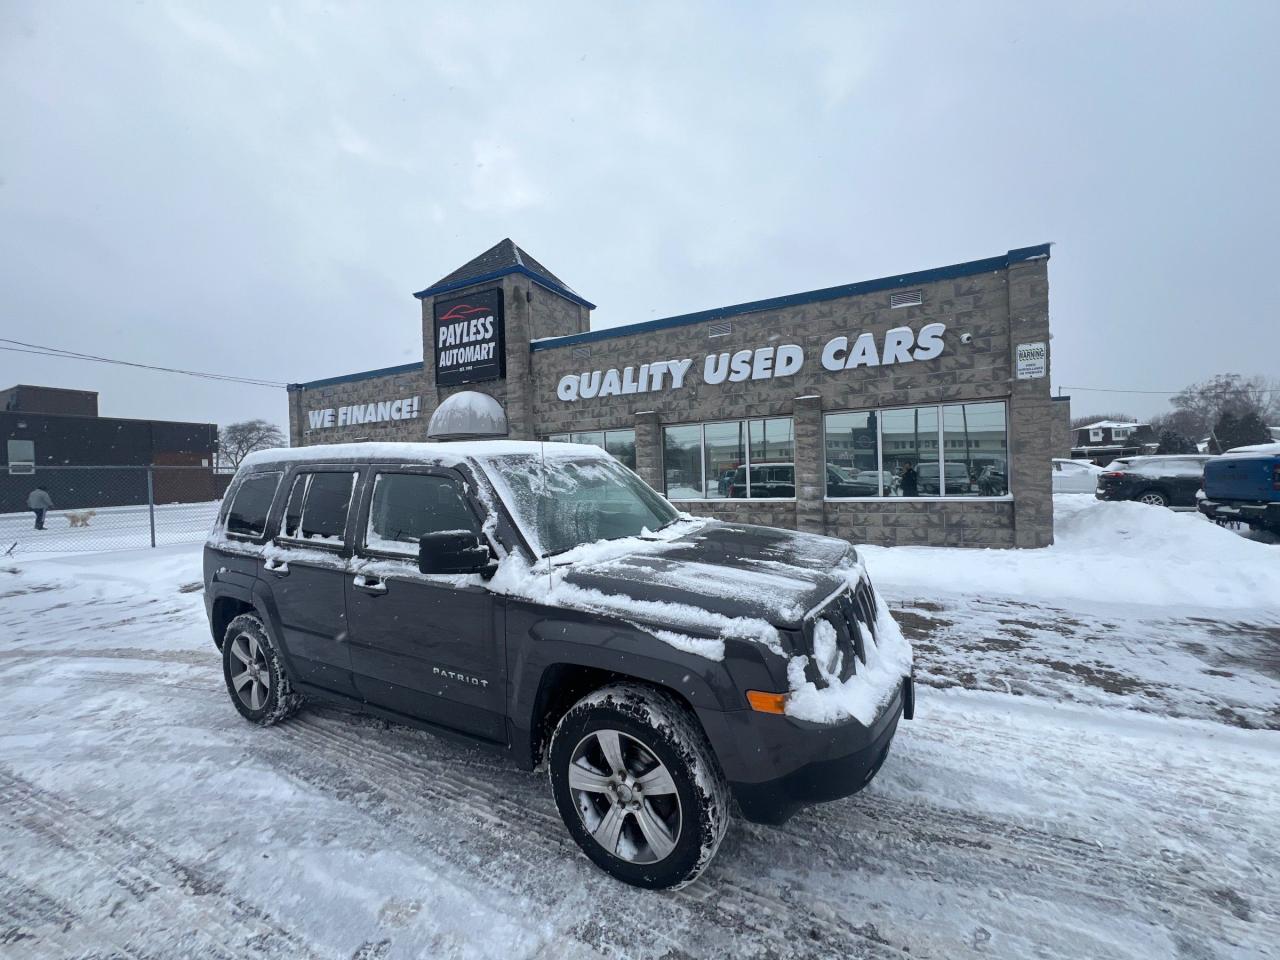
[251, 504]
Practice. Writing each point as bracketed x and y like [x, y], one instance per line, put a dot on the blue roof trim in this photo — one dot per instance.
[541, 279]
[955, 270]
[353, 377]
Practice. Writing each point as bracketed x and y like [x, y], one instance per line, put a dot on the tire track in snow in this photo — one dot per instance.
[134, 877]
[517, 821]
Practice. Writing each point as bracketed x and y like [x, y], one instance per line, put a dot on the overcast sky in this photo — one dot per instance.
[258, 189]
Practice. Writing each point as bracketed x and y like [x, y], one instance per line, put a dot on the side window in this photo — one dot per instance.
[317, 507]
[248, 514]
[407, 506]
[293, 510]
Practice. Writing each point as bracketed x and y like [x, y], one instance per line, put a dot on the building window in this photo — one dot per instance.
[1095, 436]
[22, 456]
[947, 450]
[730, 459]
[619, 444]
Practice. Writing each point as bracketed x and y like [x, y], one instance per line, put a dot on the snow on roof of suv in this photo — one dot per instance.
[455, 451]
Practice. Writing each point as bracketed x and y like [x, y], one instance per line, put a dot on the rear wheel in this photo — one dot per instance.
[255, 675]
[1154, 498]
[638, 786]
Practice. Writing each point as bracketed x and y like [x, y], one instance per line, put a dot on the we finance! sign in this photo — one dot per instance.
[470, 339]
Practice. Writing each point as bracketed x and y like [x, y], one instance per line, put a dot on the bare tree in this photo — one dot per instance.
[237, 440]
[1200, 406]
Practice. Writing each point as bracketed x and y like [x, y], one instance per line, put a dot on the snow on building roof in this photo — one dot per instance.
[1111, 425]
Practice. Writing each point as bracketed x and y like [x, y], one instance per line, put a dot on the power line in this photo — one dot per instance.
[57, 352]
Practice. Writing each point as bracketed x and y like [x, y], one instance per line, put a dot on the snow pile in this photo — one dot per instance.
[872, 685]
[1118, 552]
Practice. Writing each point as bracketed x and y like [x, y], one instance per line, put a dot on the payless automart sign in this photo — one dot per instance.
[469, 340]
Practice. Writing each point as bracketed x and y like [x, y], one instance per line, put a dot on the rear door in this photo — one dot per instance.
[429, 647]
[305, 567]
[1184, 478]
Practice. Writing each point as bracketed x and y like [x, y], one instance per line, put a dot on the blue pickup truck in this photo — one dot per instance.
[1244, 486]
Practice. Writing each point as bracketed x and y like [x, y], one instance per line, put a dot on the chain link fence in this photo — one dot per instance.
[109, 508]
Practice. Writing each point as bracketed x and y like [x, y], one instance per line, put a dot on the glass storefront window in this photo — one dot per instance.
[737, 458]
[773, 454]
[968, 459]
[619, 444]
[853, 455]
[723, 453]
[909, 454]
[974, 444]
[682, 462]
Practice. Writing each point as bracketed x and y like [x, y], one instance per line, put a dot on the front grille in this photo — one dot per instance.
[845, 612]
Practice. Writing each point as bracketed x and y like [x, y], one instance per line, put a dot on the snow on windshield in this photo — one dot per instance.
[563, 502]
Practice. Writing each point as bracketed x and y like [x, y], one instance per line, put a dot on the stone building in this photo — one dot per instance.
[912, 409]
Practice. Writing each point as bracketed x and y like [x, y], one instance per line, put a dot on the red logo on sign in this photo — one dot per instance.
[462, 311]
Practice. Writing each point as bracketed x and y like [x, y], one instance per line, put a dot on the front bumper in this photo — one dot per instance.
[781, 764]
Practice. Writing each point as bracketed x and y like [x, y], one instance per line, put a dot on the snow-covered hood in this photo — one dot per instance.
[729, 569]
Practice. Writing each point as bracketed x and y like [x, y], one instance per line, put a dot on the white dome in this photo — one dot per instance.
[468, 415]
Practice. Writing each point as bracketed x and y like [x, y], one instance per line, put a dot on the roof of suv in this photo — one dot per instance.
[436, 453]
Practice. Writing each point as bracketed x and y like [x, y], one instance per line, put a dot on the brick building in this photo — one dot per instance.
[55, 437]
[908, 409]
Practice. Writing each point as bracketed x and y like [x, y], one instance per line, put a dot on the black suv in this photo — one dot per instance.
[541, 600]
[1162, 481]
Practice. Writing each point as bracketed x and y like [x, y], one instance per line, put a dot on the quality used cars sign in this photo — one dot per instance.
[899, 345]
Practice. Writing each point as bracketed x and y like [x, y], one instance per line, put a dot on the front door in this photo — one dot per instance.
[305, 569]
[429, 647]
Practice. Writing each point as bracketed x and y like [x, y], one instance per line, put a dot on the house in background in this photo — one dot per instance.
[1106, 440]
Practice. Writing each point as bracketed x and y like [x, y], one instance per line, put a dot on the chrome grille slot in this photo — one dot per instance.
[846, 612]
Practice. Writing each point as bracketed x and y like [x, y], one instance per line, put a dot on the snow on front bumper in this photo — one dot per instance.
[857, 661]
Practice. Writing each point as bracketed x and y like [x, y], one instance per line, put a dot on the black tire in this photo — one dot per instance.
[651, 725]
[264, 696]
[1154, 498]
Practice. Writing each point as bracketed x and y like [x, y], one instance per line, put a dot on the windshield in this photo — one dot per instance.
[563, 502]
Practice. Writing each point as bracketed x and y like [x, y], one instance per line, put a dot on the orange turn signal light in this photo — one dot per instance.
[765, 702]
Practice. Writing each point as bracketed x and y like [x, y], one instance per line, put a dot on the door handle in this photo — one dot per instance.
[368, 584]
[280, 569]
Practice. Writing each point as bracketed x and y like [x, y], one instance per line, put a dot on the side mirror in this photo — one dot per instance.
[458, 551]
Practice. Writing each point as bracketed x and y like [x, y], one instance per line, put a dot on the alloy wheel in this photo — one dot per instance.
[253, 683]
[625, 796]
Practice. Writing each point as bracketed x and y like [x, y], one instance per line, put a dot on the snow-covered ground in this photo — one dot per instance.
[1093, 772]
[107, 528]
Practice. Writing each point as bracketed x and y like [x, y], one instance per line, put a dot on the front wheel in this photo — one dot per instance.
[1153, 498]
[638, 786]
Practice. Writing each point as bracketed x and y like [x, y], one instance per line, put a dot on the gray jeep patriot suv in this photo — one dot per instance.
[543, 601]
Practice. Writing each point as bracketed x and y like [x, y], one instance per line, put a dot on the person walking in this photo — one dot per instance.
[38, 500]
[909, 480]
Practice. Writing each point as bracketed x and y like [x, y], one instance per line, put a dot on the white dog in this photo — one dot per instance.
[82, 518]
